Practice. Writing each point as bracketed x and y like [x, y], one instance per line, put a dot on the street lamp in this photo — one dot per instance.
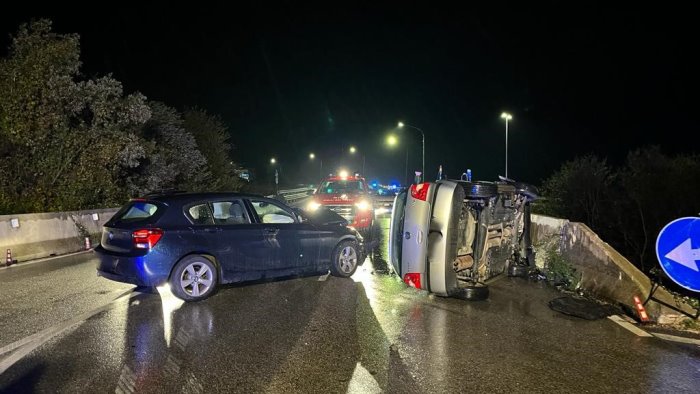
[403, 125]
[352, 151]
[392, 141]
[273, 161]
[507, 117]
[320, 170]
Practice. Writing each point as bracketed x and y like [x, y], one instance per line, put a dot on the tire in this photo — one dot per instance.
[345, 259]
[526, 189]
[479, 189]
[194, 278]
[473, 293]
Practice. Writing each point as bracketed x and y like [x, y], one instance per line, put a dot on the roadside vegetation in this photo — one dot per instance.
[70, 142]
[627, 205]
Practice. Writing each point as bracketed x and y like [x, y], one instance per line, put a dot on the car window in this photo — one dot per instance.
[271, 213]
[341, 186]
[201, 214]
[229, 212]
[138, 211]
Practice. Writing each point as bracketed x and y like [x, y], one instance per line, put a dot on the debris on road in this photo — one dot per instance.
[583, 308]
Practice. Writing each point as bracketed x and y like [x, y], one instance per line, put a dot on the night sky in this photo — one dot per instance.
[290, 79]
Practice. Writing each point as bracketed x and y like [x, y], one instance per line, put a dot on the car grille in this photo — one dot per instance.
[346, 211]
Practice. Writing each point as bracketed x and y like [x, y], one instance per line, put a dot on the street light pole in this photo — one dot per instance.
[353, 150]
[507, 117]
[402, 125]
[312, 156]
[273, 161]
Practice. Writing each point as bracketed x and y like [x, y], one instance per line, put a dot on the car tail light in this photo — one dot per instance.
[420, 191]
[146, 238]
[412, 279]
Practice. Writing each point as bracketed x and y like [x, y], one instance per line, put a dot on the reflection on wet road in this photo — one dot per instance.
[369, 334]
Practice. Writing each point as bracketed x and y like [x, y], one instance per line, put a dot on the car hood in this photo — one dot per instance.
[325, 217]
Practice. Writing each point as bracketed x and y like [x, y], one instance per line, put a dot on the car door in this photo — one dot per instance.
[241, 244]
[285, 239]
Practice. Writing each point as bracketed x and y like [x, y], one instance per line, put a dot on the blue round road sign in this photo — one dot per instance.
[678, 251]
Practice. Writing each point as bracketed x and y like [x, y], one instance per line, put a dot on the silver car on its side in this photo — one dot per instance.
[449, 237]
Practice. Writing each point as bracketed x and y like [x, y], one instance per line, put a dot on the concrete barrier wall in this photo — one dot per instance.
[605, 273]
[46, 234]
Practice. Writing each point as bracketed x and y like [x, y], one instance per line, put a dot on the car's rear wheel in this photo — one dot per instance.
[345, 259]
[194, 278]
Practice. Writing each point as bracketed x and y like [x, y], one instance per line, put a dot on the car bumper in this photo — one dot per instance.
[137, 270]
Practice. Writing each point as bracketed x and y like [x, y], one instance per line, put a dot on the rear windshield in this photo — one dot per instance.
[138, 212]
[333, 187]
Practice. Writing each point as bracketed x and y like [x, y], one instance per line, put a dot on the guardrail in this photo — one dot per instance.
[292, 195]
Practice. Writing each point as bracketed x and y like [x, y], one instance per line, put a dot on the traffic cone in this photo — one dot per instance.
[88, 245]
[640, 310]
[8, 261]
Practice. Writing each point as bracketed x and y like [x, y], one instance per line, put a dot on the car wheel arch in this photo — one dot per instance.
[349, 237]
[206, 255]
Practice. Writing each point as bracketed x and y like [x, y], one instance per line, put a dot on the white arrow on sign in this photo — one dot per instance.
[684, 254]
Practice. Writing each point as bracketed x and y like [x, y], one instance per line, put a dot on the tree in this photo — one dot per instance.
[63, 138]
[656, 189]
[212, 139]
[172, 158]
[578, 190]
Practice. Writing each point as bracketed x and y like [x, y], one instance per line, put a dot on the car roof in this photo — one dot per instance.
[192, 196]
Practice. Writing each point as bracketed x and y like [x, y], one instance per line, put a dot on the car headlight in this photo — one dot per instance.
[312, 206]
[363, 205]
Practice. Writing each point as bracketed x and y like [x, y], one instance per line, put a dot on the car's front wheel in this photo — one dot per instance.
[194, 278]
[345, 258]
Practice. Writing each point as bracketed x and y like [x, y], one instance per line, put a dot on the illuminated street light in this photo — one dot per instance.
[352, 151]
[507, 117]
[392, 141]
[273, 161]
[403, 125]
[320, 170]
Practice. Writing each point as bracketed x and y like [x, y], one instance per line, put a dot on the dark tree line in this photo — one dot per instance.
[69, 142]
[626, 206]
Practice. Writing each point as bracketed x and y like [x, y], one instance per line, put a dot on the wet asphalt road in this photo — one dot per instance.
[317, 334]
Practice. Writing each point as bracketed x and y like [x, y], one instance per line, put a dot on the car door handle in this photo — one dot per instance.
[271, 230]
[213, 230]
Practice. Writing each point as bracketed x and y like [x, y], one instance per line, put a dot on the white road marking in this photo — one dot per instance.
[28, 344]
[323, 278]
[677, 339]
[632, 328]
[43, 259]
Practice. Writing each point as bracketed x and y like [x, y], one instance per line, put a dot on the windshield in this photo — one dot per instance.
[347, 186]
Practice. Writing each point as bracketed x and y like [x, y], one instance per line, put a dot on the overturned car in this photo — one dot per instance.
[450, 237]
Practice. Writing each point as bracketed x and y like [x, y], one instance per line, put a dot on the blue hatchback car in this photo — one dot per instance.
[196, 241]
